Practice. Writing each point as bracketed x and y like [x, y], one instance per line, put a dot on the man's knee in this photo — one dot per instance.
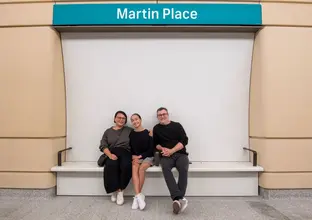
[182, 168]
[182, 164]
[165, 164]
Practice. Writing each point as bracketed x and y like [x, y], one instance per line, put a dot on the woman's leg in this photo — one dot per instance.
[125, 164]
[135, 178]
[143, 167]
[111, 176]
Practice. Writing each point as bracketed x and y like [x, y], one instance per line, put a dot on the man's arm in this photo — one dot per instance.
[176, 148]
[183, 140]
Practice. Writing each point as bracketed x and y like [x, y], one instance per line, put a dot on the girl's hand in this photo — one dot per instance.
[134, 157]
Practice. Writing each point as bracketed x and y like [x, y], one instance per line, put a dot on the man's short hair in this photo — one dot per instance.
[162, 108]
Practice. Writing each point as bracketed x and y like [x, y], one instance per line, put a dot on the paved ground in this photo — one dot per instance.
[28, 207]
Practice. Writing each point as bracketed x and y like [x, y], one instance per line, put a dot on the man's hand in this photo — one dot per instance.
[159, 147]
[166, 152]
[113, 157]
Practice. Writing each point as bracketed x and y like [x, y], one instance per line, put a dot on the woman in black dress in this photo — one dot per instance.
[118, 169]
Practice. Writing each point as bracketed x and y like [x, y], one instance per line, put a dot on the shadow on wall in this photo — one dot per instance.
[144, 35]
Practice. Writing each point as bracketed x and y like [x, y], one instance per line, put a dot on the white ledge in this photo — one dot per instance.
[194, 167]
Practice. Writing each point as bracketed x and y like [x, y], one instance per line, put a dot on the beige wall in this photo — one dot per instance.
[32, 83]
[32, 94]
[281, 106]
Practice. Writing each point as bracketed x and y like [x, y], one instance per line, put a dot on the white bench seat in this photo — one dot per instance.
[194, 167]
[204, 179]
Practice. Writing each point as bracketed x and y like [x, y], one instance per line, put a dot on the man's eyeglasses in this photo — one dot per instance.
[161, 115]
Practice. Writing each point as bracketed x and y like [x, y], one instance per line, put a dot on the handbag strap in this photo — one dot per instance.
[113, 145]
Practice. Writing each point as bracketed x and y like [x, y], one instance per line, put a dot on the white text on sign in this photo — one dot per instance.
[165, 13]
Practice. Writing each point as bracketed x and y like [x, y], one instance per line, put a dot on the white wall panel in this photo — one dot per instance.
[202, 78]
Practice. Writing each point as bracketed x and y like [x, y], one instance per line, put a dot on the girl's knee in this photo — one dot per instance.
[144, 167]
[135, 167]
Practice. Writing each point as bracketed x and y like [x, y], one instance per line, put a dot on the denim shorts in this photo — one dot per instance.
[149, 160]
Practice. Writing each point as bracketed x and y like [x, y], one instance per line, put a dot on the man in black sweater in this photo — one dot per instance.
[170, 139]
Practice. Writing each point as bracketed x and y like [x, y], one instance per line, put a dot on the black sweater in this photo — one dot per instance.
[141, 143]
[169, 135]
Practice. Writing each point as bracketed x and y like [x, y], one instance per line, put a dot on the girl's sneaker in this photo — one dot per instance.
[141, 201]
[135, 204]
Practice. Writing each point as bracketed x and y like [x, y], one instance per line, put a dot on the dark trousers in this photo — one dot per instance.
[118, 173]
[181, 162]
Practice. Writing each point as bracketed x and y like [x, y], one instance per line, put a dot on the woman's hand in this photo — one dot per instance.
[113, 157]
[109, 154]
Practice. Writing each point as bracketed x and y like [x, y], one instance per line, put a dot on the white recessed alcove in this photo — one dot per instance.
[202, 78]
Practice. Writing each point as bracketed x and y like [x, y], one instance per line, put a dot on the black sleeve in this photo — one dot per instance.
[155, 137]
[130, 143]
[151, 148]
[183, 139]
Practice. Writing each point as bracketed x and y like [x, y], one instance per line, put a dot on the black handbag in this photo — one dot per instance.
[156, 158]
[103, 158]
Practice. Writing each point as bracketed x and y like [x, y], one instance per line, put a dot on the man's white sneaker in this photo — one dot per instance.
[176, 206]
[135, 204]
[140, 198]
[183, 203]
[114, 197]
[120, 198]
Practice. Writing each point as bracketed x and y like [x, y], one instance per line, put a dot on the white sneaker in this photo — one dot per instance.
[114, 197]
[135, 204]
[120, 198]
[176, 206]
[183, 203]
[140, 198]
[142, 195]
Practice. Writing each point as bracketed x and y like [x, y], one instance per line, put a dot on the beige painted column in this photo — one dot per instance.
[281, 96]
[32, 96]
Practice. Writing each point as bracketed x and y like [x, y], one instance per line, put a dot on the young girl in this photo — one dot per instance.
[142, 149]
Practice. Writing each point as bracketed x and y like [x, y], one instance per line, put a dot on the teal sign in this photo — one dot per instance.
[157, 14]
